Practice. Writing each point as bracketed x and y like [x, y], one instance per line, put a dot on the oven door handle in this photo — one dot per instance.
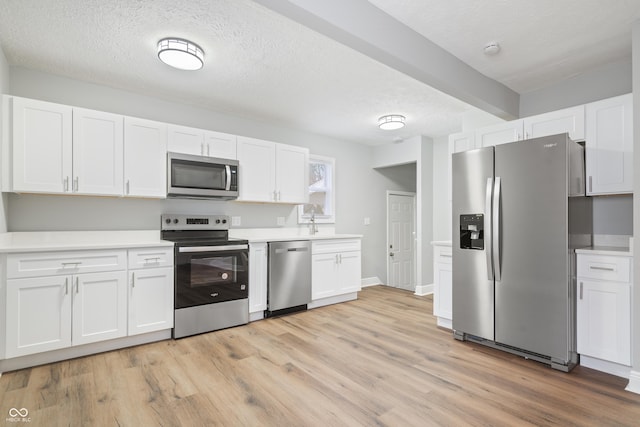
[212, 248]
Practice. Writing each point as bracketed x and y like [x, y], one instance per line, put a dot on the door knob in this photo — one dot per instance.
[391, 254]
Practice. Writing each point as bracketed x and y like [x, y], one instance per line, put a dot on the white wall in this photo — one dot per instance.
[4, 87]
[360, 191]
[441, 202]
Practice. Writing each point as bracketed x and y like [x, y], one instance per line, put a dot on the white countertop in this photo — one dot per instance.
[33, 241]
[606, 250]
[257, 235]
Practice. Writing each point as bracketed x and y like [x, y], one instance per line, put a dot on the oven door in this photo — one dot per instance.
[211, 274]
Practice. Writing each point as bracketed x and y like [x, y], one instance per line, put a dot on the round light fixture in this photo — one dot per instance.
[181, 54]
[391, 122]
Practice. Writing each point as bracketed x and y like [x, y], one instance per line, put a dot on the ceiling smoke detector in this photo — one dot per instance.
[491, 48]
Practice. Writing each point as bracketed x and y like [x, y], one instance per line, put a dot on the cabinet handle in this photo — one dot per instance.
[66, 286]
[340, 258]
[526, 135]
[75, 264]
[275, 197]
[128, 185]
[278, 195]
[75, 184]
[593, 267]
[66, 184]
[337, 262]
[581, 285]
[208, 148]
[152, 260]
[77, 286]
[133, 280]
[590, 184]
[446, 255]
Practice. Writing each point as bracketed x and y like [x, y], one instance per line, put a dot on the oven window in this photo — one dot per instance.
[214, 270]
[187, 174]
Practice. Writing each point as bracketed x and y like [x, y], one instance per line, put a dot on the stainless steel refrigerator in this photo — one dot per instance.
[519, 211]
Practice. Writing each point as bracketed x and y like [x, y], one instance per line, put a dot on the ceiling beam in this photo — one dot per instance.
[363, 27]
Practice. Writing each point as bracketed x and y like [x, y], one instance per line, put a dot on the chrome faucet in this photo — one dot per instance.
[313, 227]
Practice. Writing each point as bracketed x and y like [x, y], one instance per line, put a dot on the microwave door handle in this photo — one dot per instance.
[227, 169]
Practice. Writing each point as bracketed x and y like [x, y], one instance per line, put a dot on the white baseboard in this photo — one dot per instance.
[422, 290]
[605, 366]
[634, 382]
[370, 281]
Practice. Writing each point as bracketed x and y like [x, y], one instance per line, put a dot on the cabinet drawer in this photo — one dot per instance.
[56, 263]
[604, 267]
[443, 256]
[151, 257]
[332, 246]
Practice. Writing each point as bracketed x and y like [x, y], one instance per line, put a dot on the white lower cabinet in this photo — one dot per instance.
[151, 292]
[61, 299]
[61, 305]
[258, 258]
[604, 309]
[336, 268]
[442, 289]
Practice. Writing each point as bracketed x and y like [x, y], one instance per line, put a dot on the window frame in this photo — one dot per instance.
[322, 219]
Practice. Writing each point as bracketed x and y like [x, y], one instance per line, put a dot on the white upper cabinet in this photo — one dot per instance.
[568, 120]
[499, 134]
[221, 145]
[60, 149]
[271, 172]
[609, 146]
[42, 145]
[182, 139]
[462, 142]
[187, 140]
[97, 153]
[145, 158]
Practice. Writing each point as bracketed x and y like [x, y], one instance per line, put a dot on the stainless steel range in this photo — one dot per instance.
[211, 274]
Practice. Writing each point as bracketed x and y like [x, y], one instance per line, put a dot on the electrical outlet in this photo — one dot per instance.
[367, 221]
[235, 221]
[280, 221]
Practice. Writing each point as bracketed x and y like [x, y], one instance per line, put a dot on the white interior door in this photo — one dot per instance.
[401, 240]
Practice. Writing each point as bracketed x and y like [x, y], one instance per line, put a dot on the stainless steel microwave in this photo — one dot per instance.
[201, 177]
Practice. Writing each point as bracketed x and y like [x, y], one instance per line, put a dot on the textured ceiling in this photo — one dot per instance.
[263, 66]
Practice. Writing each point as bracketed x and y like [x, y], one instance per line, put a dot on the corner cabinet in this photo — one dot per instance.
[335, 267]
[603, 320]
[272, 172]
[609, 146]
[442, 289]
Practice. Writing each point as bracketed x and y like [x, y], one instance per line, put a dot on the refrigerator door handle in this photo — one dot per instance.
[495, 228]
[488, 247]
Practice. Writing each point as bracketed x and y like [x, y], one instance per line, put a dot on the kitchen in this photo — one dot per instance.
[353, 171]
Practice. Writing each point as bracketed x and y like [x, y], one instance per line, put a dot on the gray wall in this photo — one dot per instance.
[360, 190]
[441, 202]
[635, 303]
[4, 88]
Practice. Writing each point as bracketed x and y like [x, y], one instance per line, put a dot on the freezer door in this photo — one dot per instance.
[473, 298]
[532, 292]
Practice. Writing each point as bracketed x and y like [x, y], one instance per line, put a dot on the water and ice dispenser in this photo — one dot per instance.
[472, 231]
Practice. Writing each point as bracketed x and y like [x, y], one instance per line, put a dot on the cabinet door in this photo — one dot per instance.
[97, 153]
[458, 142]
[150, 300]
[42, 145]
[292, 174]
[185, 140]
[499, 134]
[145, 158]
[324, 275]
[349, 272]
[609, 146]
[569, 120]
[257, 277]
[443, 299]
[221, 145]
[38, 315]
[604, 320]
[99, 307]
[257, 170]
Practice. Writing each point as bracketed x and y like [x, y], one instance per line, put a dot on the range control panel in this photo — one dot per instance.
[194, 222]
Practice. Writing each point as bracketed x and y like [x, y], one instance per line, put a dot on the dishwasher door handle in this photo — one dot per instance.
[283, 250]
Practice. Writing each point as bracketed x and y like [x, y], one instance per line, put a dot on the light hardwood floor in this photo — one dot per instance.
[379, 360]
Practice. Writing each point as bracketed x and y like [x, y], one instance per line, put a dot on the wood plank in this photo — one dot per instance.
[379, 360]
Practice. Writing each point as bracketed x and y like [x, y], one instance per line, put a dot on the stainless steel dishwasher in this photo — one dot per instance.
[289, 279]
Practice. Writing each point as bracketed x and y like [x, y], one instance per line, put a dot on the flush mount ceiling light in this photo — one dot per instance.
[181, 54]
[391, 122]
